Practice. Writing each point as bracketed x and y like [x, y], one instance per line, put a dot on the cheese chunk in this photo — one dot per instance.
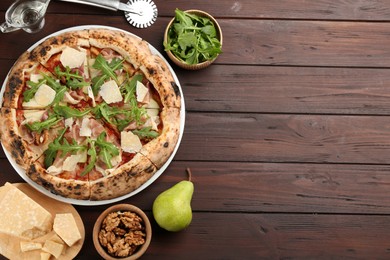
[71, 162]
[72, 58]
[32, 104]
[85, 129]
[110, 92]
[91, 96]
[141, 91]
[66, 228]
[53, 248]
[35, 77]
[130, 142]
[45, 95]
[26, 246]
[69, 122]
[153, 122]
[21, 216]
[56, 238]
[152, 104]
[32, 116]
[45, 255]
[152, 112]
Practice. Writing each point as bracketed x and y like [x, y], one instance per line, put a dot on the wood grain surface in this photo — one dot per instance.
[287, 134]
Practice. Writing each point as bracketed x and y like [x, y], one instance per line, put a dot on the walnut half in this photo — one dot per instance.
[122, 233]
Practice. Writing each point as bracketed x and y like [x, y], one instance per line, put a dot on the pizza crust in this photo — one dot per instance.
[132, 49]
[74, 189]
[16, 80]
[124, 179]
[44, 51]
[160, 76]
[160, 149]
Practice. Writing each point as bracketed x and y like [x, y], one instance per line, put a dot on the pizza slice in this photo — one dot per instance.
[62, 168]
[26, 134]
[27, 87]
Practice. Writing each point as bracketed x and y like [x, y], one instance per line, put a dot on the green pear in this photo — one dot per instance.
[172, 208]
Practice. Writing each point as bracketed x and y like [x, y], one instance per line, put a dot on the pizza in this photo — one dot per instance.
[90, 114]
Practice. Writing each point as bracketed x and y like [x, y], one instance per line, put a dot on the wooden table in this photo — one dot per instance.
[287, 134]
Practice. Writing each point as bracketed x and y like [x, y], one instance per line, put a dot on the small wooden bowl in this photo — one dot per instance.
[201, 65]
[122, 207]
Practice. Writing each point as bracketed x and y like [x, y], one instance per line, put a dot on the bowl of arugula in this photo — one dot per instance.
[193, 39]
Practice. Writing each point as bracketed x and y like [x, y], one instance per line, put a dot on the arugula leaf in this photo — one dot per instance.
[107, 149]
[59, 95]
[120, 116]
[192, 38]
[67, 147]
[103, 144]
[108, 71]
[56, 86]
[62, 145]
[67, 74]
[129, 87]
[92, 158]
[68, 112]
[52, 82]
[47, 124]
[146, 132]
[34, 86]
[50, 153]
[73, 79]
[97, 82]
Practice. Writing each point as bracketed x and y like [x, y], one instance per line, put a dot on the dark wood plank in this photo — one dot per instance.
[305, 43]
[274, 89]
[286, 138]
[284, 9]
[267, 42]
[270, 187]
[266, 236]
[277, 89]
[278, 187]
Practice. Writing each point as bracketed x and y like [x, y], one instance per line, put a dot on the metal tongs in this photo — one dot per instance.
[139, 13]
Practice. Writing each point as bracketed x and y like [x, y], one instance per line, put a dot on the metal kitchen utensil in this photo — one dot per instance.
[139, 13]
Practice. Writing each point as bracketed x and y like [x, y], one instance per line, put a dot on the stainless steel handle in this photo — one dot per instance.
[107, 4]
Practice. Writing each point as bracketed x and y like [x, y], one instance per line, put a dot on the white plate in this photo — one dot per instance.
[22, 172]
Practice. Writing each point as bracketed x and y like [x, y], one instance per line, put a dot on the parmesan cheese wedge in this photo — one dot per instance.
[21, 216]
[42, 98]
[91, 96]
[130, 142]
[45, 255]
[152, 104]
[32, 116]
[72, 58]
[35, 77]
[110, 92]
[141, 91]
[66, 228]
[53, 248]
[85, 129]
[44, 95]
[26, 246]
[71, 162]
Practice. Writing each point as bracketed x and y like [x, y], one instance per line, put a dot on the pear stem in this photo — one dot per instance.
[189, 174]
